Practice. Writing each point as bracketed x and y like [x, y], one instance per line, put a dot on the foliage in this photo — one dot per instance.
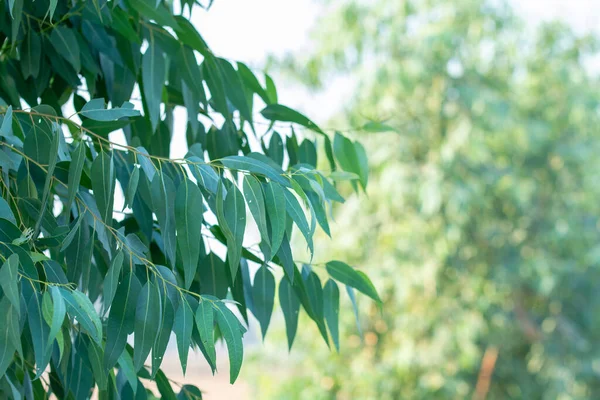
[78, 276]
[482, 222]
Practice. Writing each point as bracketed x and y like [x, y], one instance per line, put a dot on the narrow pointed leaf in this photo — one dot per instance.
[331, 309]
[275, 208]
[263, 296]
[111, 280]
[80, 307]
[147, 323]
[188, 219]
[232, 333]
[296, 212]
[40, 331]
[205, 324]
[65, 43]
[243, 163]
[132, 186]
[347, 275]
[290, 306]
[75, 169]
[153, 78]
[59, 311]
[103, 184]
[183, 327]
[234, 210]
[9, 279]
[256, 203]
[163, 201]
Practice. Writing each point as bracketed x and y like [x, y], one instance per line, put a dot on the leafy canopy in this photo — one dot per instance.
[79, 276]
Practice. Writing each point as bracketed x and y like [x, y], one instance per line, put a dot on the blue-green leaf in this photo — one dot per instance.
[295, 211]
[80, 307]
[256, 203]
[232, 332]
[347, 275]
[111, 280]
[147, 323]
[40, 331]
[188, 219]
[263, 296]
[275, 208]
[153, 78]
[163, 202]
[243, 163]
[75, 169]
[183, 327]
[9, 280]
[96, 109]
[59, 311]
[331, 310]
[103, 184]
[205, 325]
[65, 43]
[290, 306]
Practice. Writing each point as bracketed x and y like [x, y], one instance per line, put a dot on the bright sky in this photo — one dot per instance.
[251, 30]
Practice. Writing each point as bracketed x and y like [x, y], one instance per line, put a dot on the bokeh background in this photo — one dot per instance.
[481, 224]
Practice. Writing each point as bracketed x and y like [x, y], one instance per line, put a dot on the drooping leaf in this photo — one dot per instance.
[263, 295]
[347, 275]
[59, 311]
[188, 219]
[331, 309]
[103, 184]
[81, 308]
[256, 203]
[163, 201]
[153, 78]
[294, 210]
[290, 306]
[205, 324]
[65, 43]
[275, 208]
[40, 331]
[111, 280]
[121, 320]
[279, 112]
[232, 332]
[234, 222]
[75, 170]
[31, 53]
[132, 187]
[9, 280]
[147, 323]
[183, 327]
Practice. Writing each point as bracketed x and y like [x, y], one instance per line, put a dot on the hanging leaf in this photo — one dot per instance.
[347, 275]
[163, 201]
[256, 203]
[40, 331]
[263, 296]
[290, 306]
[232, 333]
[234, 214]
[331, 308]
[132, 187]
[188, 219]
[81, 308]
[31, 53]
[103, 184]
[153, 78]
[278, 112]
[121, 320]
[9, 280]
[205, 324]
[65, 43]
[111, 280]
[75, 170]
[275, 208]
[59, 311]
[184, 324]
[294, 210]
[147, 323]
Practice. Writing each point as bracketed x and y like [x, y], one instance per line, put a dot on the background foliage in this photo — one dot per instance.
[79, 276]
[481, 225]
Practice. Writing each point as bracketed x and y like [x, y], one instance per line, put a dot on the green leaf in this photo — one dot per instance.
[96, 109]
[232, 332]
[235, 89]
[121, 320]
[111, 280]
[214, 81]
[295, 211]
[278, 112]
[153, 79]
[377, 127]
[80, 307]
[189, 392]
[251, 82]
[9, 335]
[164, 333]
[347, 275]
[6, 212]
[205, 325]
[53, 156]
[40, 331]
[65, 43]
[315, 298]
[354, 308]
[275, 208]
[188, 219]
[132, 186]
[271, 90]
[75, 169]
[163, 202]
[31, 53]
[190, 36]
[331, 310]
[263, 296]
[103, 184]
[160, 14]
[256, 203]
[290, 306]
[183, 327]
[95, 355]
[121, 24]
[59, 311]
[243, 163]
[129, 370]
[9, 280]
[147, 323]
[234, 212]
[164, 387]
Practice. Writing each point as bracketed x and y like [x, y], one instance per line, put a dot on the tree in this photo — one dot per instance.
[481, 226]
[79, 276]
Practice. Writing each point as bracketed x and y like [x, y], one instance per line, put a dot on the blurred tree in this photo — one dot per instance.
[481, 228]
